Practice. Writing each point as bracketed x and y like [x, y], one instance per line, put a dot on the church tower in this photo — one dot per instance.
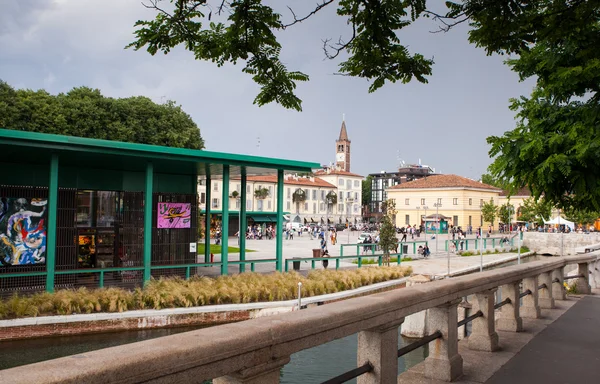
[342, 149]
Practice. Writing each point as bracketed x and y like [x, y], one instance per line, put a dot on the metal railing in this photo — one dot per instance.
[372, 247]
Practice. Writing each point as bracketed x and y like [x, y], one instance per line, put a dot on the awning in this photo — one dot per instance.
[263, 219]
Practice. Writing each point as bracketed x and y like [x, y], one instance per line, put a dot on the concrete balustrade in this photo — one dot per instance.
[444, 363]
[583, 283]
[558, 289]
[509, 318]
[253, 351]
[483, 332]
[530, 308]
[379, 346]
[545, 297]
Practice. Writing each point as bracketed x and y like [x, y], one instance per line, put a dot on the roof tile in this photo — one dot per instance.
[444, 181]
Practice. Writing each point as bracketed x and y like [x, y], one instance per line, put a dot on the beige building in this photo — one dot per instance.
[348, 187]
[517, 200]
[456, 199]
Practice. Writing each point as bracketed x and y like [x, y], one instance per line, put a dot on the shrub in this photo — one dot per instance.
[174, 292]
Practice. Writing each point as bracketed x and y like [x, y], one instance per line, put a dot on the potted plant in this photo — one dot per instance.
[261, 193]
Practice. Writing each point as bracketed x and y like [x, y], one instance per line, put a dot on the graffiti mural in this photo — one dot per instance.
[22, 231]
[174, 215]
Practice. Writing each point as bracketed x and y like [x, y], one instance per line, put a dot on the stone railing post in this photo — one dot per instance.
[483, 332]
[509, 318]
[546, 299]
[583, 283]
[260, 374]
[379, 346]
[531, 307]
[444, 363]
[558, 289]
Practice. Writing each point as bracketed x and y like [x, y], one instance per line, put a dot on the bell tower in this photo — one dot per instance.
[342, 149]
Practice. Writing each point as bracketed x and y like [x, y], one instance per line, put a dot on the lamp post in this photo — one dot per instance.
[437, 219]
[425, 208]
[419, 216]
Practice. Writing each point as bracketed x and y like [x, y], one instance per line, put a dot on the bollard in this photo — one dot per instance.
[299, 295]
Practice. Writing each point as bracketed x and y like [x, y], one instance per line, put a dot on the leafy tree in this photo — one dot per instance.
[535, 210]
[488, 179]
[367, 191]
[387, 230]
[261, 193]
[580, 216]
[85, 112]
[489, 211]
[505, 213]
[555, 147]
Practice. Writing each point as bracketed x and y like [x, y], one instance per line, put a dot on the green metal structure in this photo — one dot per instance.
[56, 168]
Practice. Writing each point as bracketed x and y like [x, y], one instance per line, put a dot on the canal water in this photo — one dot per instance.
[309, 366]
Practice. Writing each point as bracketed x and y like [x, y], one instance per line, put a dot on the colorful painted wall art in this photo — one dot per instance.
[174, 215]
[22, 231]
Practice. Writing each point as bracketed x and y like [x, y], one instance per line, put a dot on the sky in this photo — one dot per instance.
[61, 44]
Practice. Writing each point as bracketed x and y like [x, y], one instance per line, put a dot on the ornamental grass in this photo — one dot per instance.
[174, 292]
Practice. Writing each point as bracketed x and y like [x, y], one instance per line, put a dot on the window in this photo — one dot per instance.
[356, 196]
[341, 182]
[215, 186]
[237, 188]
[289, 205]
[247, 189]
[269, 204]
[356, 183]
[422, 201]
[407, 219]
[322, 207]
[289, 193]
[305, 207]
[439, 201]
[237, 203]
[481, 204]
[270, 190]
[355, 208]
[322, 195]
[348, 195]
[215, 202]
[340, 207]
[203, 198]
[314, 207]
[248, 205]
[470, 223]
[307, 194]
[202, 182]
[259, 204]
[470, 202]
[455, 221]
[314, 194]
[406, 201]
[455, 201]
[348, 184]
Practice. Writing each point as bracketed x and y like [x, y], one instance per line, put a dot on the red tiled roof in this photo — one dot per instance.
[291, 180]
[444, 181]
[341, 173]
[521, 192]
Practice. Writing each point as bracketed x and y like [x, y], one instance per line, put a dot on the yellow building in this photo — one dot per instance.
[455, 198]
[517, 200]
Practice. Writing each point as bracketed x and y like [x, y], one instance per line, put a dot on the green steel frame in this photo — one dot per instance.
[107, 157]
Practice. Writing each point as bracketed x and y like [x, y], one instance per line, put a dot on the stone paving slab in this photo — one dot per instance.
[479, 367]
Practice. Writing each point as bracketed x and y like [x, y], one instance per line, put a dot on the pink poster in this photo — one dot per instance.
[174, 215]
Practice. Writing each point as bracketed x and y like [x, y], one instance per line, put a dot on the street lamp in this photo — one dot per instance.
[425, 208]
[437, 219]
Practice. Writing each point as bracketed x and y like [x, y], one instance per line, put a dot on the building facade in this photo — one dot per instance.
[348, 189]
[342, 150]
[454, 198]
[380, 182]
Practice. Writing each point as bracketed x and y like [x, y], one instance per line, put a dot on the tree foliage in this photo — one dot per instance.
[85, 112]
[506, 212]
[367, 191]
[387, 230]
[555, 147]
[489, 211]
[535, 210]
[581, 216]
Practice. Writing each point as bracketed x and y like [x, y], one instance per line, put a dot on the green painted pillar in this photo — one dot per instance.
[208, 190]
[243, 224]
[279, 234]
[51, 229]
[225, 222]
[148, 190]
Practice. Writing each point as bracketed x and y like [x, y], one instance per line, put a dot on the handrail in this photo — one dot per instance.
[351, 374]
[419, 343]
[235, 347]
[470, 318]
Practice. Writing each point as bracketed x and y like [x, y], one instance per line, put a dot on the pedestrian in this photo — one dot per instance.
[403, 231]
[325, 262]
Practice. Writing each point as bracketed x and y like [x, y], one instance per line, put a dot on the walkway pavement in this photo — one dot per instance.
[302, 246]
[561, 347]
